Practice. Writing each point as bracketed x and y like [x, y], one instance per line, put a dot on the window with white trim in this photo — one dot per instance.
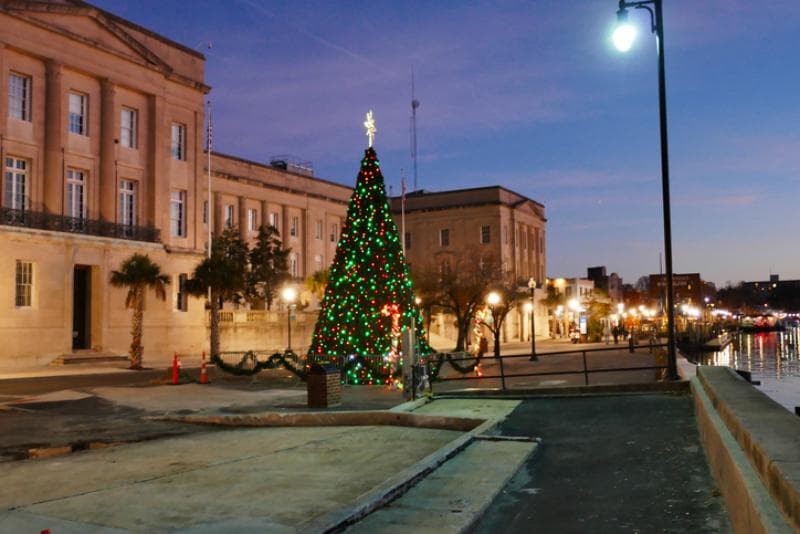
[177, 213]
[24, 284]
[252, 219]
[275, 220]
[229, 216]
[16, 187]
[78, 123]
[293, 229]
[334, 232]
[76, 194]
[293, 266]
[486, 234]
[127, 127]
[318, 229]
[178, 141]
[444, 237]
[19, 96]
[205, 212]
[127, 202]
[181, 296]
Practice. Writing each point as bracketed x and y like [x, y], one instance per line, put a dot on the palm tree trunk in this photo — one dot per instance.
[136, 329]
[214, 323]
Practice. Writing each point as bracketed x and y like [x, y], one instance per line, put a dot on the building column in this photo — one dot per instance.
[264, 213]
[219, 216]
[54, 137]
[107, 182]
[156, 181]
[243, 222]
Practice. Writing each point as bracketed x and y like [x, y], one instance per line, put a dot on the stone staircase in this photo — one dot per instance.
[89, 357]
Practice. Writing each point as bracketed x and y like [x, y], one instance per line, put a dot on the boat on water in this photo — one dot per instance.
[762, 323]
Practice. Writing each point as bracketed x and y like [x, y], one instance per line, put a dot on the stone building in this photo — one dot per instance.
[441, 227]
[101, 138]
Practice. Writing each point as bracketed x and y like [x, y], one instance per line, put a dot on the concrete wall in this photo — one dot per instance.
[752, 446]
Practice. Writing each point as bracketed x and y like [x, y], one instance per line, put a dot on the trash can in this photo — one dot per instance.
[324, 387]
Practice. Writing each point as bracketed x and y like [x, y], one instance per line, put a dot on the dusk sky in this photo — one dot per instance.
[531, 96]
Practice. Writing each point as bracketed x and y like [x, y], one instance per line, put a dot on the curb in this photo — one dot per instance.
[394, 487]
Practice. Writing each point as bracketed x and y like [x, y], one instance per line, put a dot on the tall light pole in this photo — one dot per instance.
[532, 286]
[289, 294]
[624, 36]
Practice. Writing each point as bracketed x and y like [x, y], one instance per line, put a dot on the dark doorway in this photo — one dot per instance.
[80, 307]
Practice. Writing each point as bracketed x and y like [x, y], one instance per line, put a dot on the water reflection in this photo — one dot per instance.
[771, 357]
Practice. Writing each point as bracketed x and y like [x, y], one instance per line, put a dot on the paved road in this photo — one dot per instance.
[609, 464]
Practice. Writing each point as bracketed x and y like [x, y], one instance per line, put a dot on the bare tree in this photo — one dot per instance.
[461, 287]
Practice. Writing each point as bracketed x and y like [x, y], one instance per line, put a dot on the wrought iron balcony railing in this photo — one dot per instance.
[73, 225]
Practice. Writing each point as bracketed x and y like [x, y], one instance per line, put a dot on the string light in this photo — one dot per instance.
[369, 298]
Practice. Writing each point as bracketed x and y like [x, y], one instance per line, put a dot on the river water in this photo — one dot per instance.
[771, 357]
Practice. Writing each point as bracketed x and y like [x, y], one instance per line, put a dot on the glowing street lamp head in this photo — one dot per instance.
[625, 32]
[288, 294]
[493, 298]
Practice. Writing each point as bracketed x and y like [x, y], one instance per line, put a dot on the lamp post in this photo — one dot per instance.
[289, 294]
[493, 299]
[624, 36]
[532, 286]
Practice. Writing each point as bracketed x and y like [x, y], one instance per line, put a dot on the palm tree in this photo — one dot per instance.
[137, 273]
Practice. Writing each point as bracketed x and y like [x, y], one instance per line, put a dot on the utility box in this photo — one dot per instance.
[324, 386]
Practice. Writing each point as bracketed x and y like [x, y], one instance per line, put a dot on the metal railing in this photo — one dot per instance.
[77, 225]
[585, 370]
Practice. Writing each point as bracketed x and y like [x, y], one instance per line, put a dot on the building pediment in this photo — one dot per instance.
[87, 24]
[531, 207]
[94, 27]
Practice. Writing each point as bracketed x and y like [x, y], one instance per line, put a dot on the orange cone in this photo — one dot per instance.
[175, 365]
[203, 372]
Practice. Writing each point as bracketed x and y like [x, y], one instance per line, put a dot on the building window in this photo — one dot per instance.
[318, 230]
[408, 240]
[181, 297]
[77, 113]
[205, 212]
[505, 234]
[444, 237]
[178, 141]
[24, 286]
[127, 202]
[293, 266]
[252, 220]
[274, 220]
[229, 216]
[16, 190]
[127, 133]
[76, 187]
[177, 213]
[293, 227]
[318, 262]
[486, 234]
[19, 97]
[334, 232]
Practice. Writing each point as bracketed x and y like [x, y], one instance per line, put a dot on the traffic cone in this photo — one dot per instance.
[203, 372]
[175, 365]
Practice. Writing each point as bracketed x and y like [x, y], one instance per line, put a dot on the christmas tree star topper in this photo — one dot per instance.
[369, 124]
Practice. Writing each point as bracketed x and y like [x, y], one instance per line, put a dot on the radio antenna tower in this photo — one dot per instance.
[414, 106]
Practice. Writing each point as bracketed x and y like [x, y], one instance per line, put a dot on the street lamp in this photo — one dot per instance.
[493, 299]
[289, 295]
[532, 286]
[623, 40]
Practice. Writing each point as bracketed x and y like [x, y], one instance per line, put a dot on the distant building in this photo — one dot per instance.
[687, 289]
[774, 283]
[611, 284]
[441, 226]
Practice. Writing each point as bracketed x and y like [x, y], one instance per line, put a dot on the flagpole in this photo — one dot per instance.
[403, 210]
[209, 209]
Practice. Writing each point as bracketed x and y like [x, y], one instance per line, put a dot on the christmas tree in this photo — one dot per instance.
[369, 298]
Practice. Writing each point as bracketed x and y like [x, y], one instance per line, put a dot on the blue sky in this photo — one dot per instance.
[531, 96]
